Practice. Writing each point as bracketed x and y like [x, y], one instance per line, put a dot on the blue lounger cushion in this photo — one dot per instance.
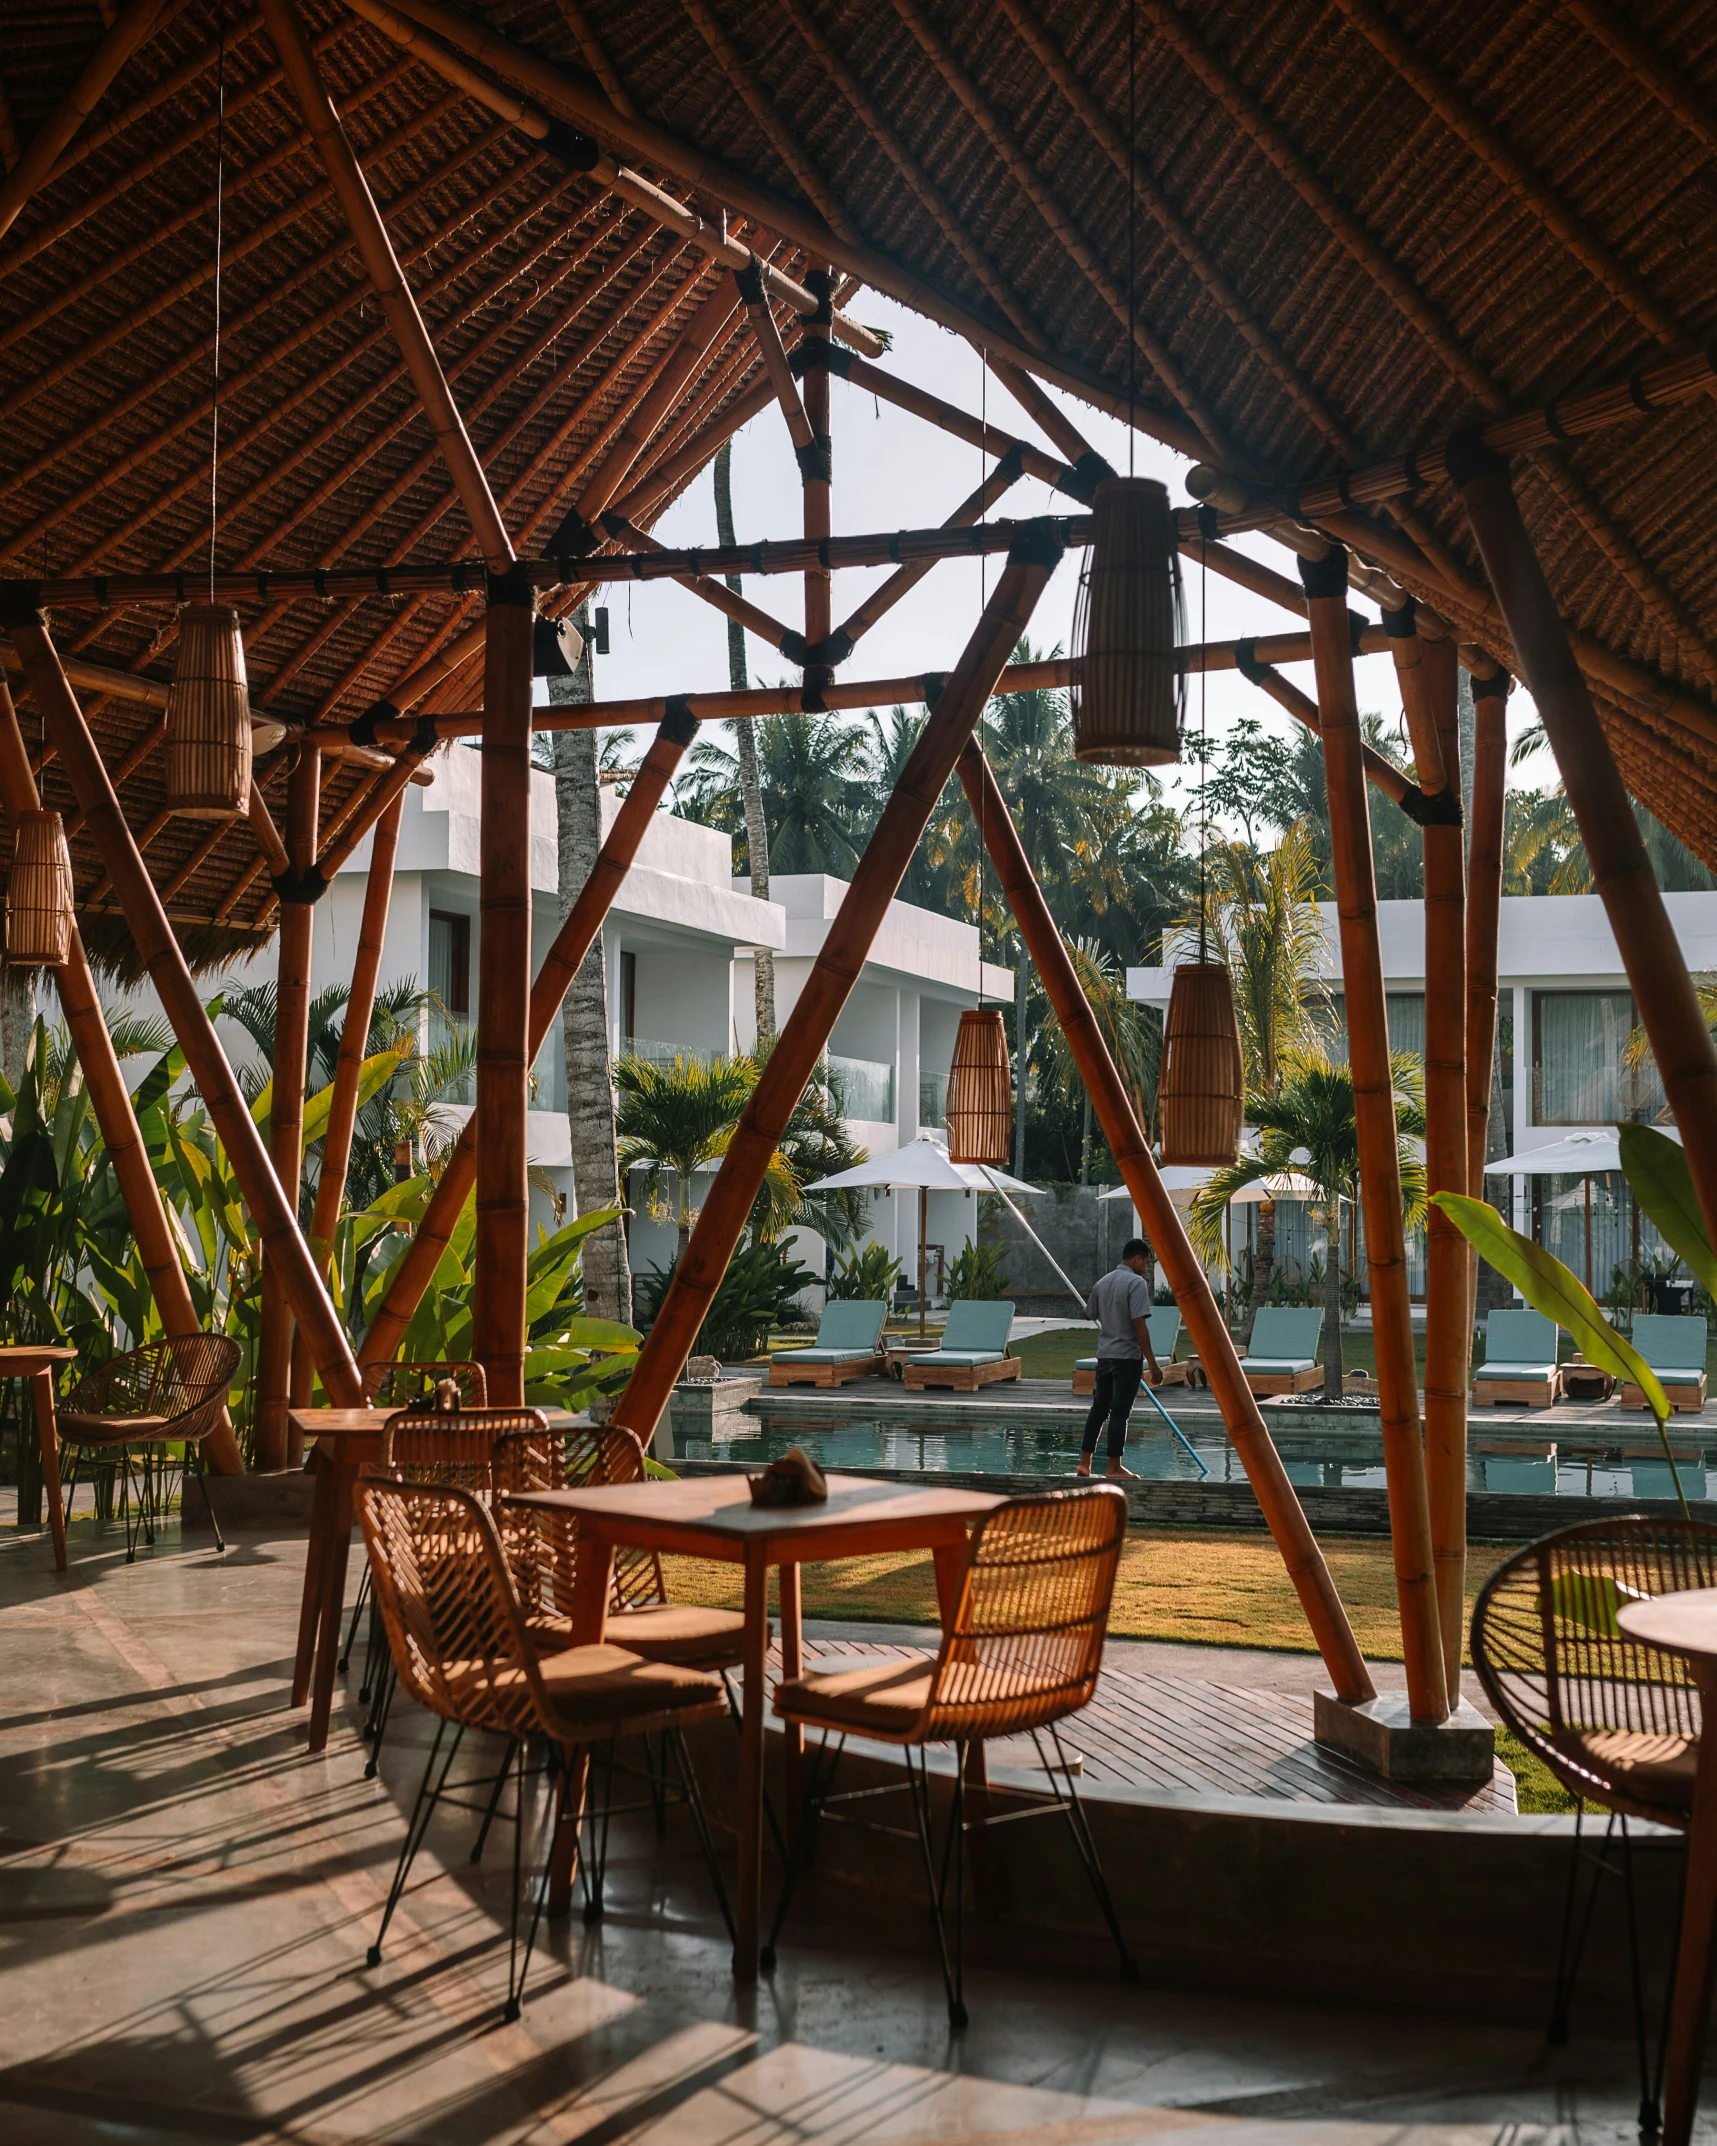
[981, 1328]
[1515, 1371]
[1277, 1366]
[1673, 1346]
[825, 1356]
[959, 1356]
[1519, 1345]
[1285, 1337]
[850, 1327]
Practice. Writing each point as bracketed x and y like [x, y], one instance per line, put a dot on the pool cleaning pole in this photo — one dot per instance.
[1078, 1299]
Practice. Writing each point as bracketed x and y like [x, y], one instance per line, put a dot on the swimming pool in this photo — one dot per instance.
[1348, 1460]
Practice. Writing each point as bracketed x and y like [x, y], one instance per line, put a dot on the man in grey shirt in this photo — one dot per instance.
[1121, 1306]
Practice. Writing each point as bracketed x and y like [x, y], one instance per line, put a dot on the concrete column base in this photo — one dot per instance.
[1382, 1734]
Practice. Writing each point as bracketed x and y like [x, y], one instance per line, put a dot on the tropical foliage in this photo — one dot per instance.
[867, 1276]
[759, 1291]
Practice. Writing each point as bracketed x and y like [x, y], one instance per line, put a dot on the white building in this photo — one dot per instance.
[1564, 1017]
[678, 944]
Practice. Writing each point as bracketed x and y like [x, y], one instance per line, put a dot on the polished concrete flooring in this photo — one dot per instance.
[186, 1899]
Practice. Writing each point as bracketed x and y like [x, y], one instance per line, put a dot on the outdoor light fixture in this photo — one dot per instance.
[208, 717]
[557, 648]
[1201, 1094]
[1128, 682]
[980, 1089]
[39, 893]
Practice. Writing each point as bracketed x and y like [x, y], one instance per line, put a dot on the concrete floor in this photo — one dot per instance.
[186, 1899]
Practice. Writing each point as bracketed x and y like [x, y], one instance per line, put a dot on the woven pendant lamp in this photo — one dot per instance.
[1201, 1092]
[1128, 683]
[39, 893]
[980, 1090]
[208, 717]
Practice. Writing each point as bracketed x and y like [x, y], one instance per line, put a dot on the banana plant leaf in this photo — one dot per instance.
[378, 1070]
[1656, 1170]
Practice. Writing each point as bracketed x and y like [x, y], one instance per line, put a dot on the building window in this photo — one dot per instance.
[450, 961]
[1580, 1073]
[1406, 1015]
[628, 998]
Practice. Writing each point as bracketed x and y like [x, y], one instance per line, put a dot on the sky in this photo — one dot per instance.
[894, 471]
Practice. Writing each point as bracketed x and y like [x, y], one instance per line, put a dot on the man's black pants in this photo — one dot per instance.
[1118, 1379]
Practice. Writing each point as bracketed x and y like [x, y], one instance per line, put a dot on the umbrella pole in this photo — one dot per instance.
[923, 1250]
[1588, 1232]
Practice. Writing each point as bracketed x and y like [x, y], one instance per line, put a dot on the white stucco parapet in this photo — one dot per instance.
[915, 946]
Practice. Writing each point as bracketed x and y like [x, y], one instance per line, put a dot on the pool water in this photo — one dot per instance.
[1053, 1449]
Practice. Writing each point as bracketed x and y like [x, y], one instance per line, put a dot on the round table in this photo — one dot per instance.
[1686, 1624]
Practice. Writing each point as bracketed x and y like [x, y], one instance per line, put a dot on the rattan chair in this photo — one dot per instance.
[126, 1417]
[413, 1385]
[1617, 1723]
[456, 1632]
[1020, 1654]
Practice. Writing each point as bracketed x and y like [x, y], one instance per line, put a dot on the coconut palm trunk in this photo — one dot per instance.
[1332, 1307]
[745, 750]
[589, 1075]
[17, 1021]
[1263, 1267]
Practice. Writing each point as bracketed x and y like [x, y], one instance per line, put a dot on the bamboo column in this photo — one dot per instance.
[1484, 915]
[286, 1108]
[1114, 1112]
[349, 1067]
[698, 1274]
[182, 1003]
[111, 1100]
[1621, 870]
[504, 993]
[561, 964]
[1325, 582]
[816, 469]
[1425, 670]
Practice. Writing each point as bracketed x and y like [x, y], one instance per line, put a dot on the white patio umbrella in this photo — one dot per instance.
[1593, 1151]
[924, 1166]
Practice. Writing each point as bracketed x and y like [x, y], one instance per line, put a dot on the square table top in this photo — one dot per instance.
[716, 1512]
[19, 1358]
[336, 1423]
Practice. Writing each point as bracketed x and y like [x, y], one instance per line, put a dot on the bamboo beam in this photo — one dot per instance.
[1621, 870]
[393, 293]
[816, 468]
[699, 1270]
[413, 1274]
[291, 1074]
[1380, 773]
[1063, 434]
[780, 136]
[577, 153]
[1379, 1161]
[844, 638]
[1484, 916]
[774, 354]
[712, 592]
[1425, 671]
[1113, 1109]
[110, 1099]
[503, 995]
[176, 988]
[566, 97]
[349, 1066]
[129, 33]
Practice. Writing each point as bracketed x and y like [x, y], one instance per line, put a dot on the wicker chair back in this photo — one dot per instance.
[413, 1385]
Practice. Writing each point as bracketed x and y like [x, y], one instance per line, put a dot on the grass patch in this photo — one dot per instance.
[1215, 1588]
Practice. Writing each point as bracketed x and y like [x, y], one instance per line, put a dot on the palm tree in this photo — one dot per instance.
[817, 797]
[1133, 1034]
[1308, 1125]
[678, 1118]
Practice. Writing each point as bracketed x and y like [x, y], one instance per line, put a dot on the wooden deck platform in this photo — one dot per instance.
[1186, 1736]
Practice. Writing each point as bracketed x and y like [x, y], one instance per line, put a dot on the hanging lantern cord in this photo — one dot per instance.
[220, 205]
[1203, 764]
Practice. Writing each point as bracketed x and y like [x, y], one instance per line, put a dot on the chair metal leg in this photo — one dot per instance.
[494, 1798]
[694, 1802]
[376, 1727]
[203, 1485]
[594, 1864]
[1577, 1925]
[1087, 1846]
[358, 1609]
[1562, 1994]
[1650, 2117]
[819, 1784]
[421, 1813]
[918, 1784]
[376, 1656]
[516, 1978]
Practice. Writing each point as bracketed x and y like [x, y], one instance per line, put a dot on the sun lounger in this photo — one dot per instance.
[848, 1346]
[1520, 1360]
[1675, 1349]
[973, 1351]
[1165, 1336]
[1283, 1357]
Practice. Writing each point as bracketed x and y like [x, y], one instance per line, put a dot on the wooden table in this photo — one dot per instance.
[1686, 1624]
[713, 1516]
[346, 1441]
[35, 1361]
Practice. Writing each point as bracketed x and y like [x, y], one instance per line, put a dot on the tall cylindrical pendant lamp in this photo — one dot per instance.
[980, 1090]
[208, 716]
[39, 893]
[1128, 684]
[1201, 1092]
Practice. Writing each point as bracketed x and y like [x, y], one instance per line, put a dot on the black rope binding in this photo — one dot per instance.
[1209, 523]
[835, 648]
[1399, 624]
[425, 738]
[573, 539]
[1433, 808]
[934, 683]
[307, 886]
[816, 460]
[817, 677]
[1081, 479]
[363, 730]
[821, 285]
[1467, 456]
[1247, 664]
[513, 588]
[795, 647]
[679, 726]
[750, 281]
[1326, 576]
[815, 353]
[571, 150]
[21, 604]
[1497, 686]
[1037, 543]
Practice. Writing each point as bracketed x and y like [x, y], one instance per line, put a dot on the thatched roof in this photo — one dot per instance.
[1359, 225]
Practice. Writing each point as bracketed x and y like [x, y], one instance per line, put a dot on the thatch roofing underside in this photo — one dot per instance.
[1360, 224]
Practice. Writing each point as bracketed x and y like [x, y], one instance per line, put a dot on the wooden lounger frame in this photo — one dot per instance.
[789, 1369]
[959, 1378]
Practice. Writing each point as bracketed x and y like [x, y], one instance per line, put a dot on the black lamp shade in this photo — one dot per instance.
[557, 648]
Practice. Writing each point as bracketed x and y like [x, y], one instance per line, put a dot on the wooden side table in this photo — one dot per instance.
[36, 1361]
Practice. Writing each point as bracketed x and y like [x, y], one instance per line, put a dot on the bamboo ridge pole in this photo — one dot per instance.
[1114, 1112]
[1426, 673]
[582, 154]
[276, 1223]
[1484, 917]
[564, 959]
[111, 1100]
[1621, 870]
[698, 1272]
[393, 293]
[503, 996]
[1379, 1160]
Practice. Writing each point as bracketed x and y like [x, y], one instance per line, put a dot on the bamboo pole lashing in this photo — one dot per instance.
[803, 1038]
[1379, 1160]
[561, 964]
[775, 365]
[393, 293]
[115, 1115]
[713, 592]
[1114, 1112]
[1622, 871]
[276, 1223]
[845, 637]
[1426, 673]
